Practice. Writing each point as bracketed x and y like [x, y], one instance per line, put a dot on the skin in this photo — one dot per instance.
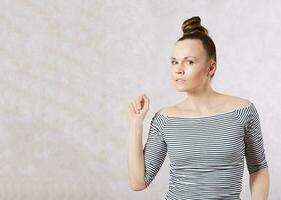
[189, 61]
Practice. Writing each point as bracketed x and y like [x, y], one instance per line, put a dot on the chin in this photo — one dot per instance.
[183, 89]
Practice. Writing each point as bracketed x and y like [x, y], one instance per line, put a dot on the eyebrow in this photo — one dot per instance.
[172, 58]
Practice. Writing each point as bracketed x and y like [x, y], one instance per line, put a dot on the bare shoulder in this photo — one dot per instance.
[237, 102]
[224, 103]
[167, 110]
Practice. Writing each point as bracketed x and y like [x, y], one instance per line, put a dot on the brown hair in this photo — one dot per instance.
[192, 29]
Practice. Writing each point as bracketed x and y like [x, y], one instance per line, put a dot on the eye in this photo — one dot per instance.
[189, 61]
[172, 62]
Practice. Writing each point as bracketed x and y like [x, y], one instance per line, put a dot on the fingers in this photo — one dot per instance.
[131, 104]
[136, 104]
[146, 99]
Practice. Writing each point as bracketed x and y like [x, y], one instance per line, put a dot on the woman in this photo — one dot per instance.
[207, 135]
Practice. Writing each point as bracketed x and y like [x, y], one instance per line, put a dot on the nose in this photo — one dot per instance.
[180, 69]
[180, 72]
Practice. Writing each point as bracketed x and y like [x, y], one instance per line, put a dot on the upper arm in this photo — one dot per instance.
[254, 147]
[155, 149]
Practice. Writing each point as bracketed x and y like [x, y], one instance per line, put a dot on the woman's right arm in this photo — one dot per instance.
[144, 162]
[136, 158]
[137, 110]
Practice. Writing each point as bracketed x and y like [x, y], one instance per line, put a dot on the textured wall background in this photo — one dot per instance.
[69, 69]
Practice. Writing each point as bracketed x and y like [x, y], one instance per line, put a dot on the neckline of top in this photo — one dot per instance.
[209, 116]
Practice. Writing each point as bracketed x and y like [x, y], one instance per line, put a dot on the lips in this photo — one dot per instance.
[180, 80]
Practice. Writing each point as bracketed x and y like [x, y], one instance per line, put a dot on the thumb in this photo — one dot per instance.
[146, 101]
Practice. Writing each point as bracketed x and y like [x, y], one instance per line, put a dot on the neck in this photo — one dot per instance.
[201, 99]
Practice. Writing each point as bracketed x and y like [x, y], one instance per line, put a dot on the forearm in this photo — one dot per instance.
[135, 157]
[259, 184]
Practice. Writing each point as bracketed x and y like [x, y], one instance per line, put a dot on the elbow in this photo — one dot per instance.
[261, 175]
[138, 183]
[138, 188]
[135, 186]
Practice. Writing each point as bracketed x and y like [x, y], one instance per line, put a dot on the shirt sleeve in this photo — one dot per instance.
[254, 147]
[155, 149]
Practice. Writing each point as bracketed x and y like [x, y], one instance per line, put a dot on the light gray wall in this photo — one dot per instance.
[69, 69]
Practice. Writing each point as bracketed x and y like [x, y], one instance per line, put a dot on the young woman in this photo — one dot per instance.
[206, 135]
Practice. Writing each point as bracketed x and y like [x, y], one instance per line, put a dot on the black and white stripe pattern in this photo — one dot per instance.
[206, 153]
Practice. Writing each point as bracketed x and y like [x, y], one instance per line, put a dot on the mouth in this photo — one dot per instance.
[179, 80]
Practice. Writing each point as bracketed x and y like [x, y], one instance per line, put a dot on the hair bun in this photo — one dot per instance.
[193, 25]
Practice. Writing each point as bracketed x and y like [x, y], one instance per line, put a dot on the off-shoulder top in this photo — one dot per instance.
[206, 153]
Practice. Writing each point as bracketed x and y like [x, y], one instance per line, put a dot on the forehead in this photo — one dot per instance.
[188, 47]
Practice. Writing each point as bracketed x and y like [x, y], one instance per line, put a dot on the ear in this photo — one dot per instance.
[212, 67]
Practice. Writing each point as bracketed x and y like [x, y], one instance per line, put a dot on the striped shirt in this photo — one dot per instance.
[206, 153]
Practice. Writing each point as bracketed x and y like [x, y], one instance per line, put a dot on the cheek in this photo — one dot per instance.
[190, 72]
[194, 73]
